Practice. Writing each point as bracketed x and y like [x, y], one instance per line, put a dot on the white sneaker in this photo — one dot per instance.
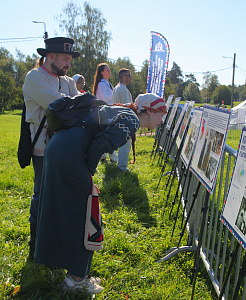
[85, 285]
[94, 279]
[113, 157]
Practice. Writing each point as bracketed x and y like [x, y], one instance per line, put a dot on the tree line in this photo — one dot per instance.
[86, 25]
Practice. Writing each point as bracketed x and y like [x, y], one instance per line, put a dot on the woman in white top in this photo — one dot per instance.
[103, 90]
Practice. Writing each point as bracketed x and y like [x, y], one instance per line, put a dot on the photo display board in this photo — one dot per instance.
[180, 118]
[173, 112]
[191, 137]
[210, 145]
[168, 104]
[234, 209]
[184, 123]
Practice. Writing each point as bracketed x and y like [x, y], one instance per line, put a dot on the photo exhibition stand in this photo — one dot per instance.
[205, 166]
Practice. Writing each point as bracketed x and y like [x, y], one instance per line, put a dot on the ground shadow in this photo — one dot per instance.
[41, 282]
[124, 186]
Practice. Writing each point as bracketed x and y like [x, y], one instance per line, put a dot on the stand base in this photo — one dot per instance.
[174, 251]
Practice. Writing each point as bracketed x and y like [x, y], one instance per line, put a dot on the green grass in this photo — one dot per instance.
[137, 233]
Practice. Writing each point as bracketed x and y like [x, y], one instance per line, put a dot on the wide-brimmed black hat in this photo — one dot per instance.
[58, 45]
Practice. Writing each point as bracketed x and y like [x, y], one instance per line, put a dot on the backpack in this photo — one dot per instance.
[26, 145]
[70, 112]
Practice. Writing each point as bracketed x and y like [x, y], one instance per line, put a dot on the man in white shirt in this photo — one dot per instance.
[42, 86]
[121, 94]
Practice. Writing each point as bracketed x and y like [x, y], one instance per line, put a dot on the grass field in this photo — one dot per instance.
[137, 233]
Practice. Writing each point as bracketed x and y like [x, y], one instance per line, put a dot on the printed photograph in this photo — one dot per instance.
[190, 143]
[218, 141]
[169, 123]
[201, 158]
[211, 168]
[241, 217]
[186, 119]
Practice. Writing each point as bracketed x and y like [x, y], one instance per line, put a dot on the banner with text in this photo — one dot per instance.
[158, 63]
[210, 145]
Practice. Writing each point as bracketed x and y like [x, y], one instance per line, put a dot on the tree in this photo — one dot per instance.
[222, 93]
[211, 82]
[7, 89]
[22, 65]
[168, 89]
[192, 92]
[143, 74]
[134, 87]
[175, 75]
[176, 78]
[179, 89]
[240, 93]
[6, 61]
[190, 78]
[86, 27]
[243, 93]
[12, 76]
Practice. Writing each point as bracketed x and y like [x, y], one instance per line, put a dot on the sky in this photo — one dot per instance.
[199, 33]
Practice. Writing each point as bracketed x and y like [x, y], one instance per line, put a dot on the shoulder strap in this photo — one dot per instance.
[108, 84]
[39, 131]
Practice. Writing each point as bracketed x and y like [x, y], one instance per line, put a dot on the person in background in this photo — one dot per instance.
[80, 82]
[67, 235]
[121, 94]
[42, 86]
[144, 131]
[103, 90]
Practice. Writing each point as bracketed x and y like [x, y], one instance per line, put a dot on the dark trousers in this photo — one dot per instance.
[38, 169]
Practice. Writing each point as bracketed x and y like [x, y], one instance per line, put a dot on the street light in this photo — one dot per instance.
[233, 75]
[45, 32]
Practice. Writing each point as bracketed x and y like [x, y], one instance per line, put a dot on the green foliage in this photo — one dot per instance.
[191, 78]
[11, 97]
[143, 77]
[87, 27]
[138, 84]
[12, 76]
[137, 233]
[222, 93]
[175, 75]
[240, 92]
[7, 87]
[211, 82]
[192, 92]
[6, 61]
[168, 89]
[178, 85]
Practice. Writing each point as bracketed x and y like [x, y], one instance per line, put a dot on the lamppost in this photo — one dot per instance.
[45, 32]
[233, 75]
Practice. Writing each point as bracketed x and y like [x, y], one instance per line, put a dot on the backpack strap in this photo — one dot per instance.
[38, 132]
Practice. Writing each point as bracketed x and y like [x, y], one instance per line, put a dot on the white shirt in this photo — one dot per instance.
[121, 94]
[105, 91]
[40, 89]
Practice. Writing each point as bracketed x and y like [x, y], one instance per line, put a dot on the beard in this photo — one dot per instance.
[57, 71]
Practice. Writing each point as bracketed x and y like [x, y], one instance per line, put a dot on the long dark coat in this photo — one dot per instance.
[70, 156]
